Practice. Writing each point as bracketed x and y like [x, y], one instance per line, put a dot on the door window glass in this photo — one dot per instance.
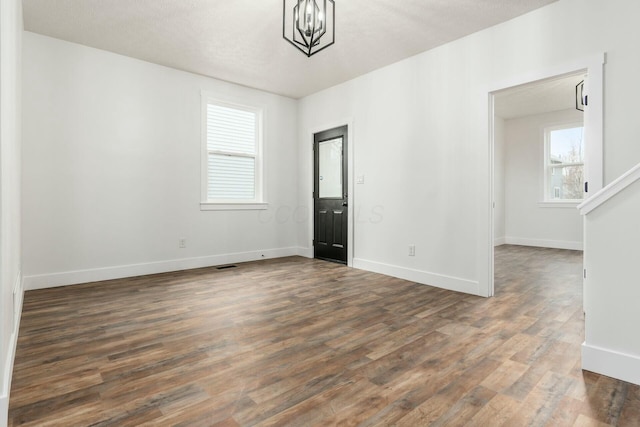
[330, 168]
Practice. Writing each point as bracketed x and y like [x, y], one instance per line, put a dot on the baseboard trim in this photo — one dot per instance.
[541, 243]
[305, 252]
[419, 276]
[4, 410]
[499, 241]
[8, 373]
[611, 363]
[5, 388]
[52, 280]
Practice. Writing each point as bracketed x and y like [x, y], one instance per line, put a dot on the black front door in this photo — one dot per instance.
[330, 195]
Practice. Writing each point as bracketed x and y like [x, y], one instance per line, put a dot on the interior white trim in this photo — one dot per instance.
[541, 243]
[5, 387]
[610, 190]
[4, 409]
[8, 372]
[43, 281]
[567, 67]
[558, 205]
[488, 256]
[625, 367]
[594, 131]
[423, 277]
[208, 97]
[305, 252]
[498, 241]
[18, 297]
[210, 206]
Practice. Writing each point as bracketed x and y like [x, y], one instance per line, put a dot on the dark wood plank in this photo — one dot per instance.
[296, 341]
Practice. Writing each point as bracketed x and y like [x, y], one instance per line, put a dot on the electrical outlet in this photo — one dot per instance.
[182, 243]
[412, 250]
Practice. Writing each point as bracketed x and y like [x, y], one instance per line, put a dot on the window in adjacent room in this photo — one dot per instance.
[231, 162]
[564, 163]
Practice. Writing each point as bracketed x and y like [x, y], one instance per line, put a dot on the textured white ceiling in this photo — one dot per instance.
[538, 97]
[241, 40]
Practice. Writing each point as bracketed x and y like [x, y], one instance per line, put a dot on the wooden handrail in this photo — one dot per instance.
[610, 190]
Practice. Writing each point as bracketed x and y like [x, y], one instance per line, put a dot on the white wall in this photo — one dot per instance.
[499, 156]
[10, 275]
[527, 222]
[111, 169]
[612, 288]
[94, 196]
[420, 135]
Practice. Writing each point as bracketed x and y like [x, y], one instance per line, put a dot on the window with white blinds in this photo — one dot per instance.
[231, 158]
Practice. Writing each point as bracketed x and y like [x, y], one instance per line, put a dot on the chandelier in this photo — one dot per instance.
[581, 96]
[309, 24]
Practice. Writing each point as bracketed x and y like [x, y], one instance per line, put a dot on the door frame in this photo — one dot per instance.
[593, 66]
[311, 131]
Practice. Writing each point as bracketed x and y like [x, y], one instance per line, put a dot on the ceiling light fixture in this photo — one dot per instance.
[581, 96]
[309, 24]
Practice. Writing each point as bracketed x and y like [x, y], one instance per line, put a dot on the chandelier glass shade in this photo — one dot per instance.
[581, 97]
[309, 24]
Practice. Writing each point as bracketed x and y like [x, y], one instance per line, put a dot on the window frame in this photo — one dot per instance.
[258, 202]
[547, 170]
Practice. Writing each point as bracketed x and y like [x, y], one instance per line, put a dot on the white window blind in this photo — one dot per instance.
[232, 154]
[231, 177]
[231, 130]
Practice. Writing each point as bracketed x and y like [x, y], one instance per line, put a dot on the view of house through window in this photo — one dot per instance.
[564, 163]
[232, 154]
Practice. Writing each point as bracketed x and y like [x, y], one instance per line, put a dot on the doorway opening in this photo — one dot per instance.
[544, 156]
[330, 195]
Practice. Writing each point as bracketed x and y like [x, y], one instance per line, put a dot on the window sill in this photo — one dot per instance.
[566, 204]
[208, 206]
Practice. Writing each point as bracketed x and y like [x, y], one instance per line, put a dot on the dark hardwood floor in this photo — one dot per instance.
[302, 342]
